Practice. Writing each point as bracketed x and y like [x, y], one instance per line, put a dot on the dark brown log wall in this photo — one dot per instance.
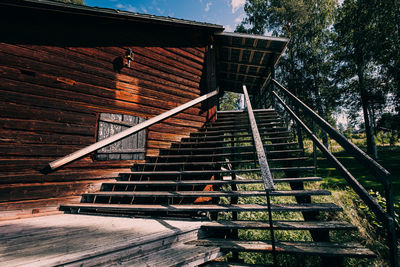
[50, 100]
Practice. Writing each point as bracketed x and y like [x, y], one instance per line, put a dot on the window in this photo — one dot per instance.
[129, 148]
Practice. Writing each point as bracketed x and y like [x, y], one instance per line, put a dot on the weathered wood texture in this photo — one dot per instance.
[51, 98]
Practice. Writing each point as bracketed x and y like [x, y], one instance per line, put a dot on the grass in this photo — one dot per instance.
[389, 158]
[369, 232]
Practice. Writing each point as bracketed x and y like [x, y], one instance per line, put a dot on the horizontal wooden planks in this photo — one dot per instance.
[51, 98]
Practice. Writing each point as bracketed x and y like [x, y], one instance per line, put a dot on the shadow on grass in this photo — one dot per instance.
[389, 158]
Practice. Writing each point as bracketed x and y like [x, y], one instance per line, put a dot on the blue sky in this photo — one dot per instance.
[228, 13]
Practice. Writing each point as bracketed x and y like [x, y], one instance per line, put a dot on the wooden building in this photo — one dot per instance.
[65, 69]
[71, 76]
[68, 71]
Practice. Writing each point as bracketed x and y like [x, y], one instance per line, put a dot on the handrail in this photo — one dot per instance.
[262, 158]
[264, 168]
[360, 190]
[112, 139]
[380, 172]
[387, 218]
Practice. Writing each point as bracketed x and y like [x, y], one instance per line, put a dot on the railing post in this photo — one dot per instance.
[314, 130]
[386, 217]
[299, 133]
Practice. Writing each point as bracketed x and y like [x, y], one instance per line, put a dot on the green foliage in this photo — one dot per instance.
[371, 217]
[230, 101]
[306, 66]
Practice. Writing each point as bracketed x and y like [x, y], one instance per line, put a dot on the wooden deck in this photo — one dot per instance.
[70, 240]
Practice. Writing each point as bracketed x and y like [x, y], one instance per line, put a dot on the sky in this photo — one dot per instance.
[227, 13]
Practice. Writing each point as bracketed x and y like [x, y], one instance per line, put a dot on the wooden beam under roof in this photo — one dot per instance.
[242, 63]
[243, 48]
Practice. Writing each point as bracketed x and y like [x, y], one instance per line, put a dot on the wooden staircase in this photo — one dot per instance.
[201, 177]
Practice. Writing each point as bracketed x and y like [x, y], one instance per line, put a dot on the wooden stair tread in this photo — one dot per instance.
[228, 141]
[290, 247]
[226, 147]
[238, 130]
[228, 135]
[193, 172]
[210, 193]
[286, 151]
[212, 182]
[213, 162]
[243, 126]
[239, 121]
[201, 207]
[281, 225]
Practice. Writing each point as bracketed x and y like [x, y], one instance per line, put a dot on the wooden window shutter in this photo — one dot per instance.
[129, 148]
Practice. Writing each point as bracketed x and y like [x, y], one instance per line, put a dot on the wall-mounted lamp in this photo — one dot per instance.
[129, 56]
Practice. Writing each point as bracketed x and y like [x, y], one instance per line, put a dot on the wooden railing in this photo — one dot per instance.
[386, 217]
[264, 167]
[112, 139]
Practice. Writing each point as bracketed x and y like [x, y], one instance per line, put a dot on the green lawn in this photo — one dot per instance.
[389, 158]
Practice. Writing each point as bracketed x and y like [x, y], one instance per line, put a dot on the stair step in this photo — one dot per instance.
[183, 255]
[228, 135]
[281, 225]
[241, 126]
[172, 194]
[209, 132]
[241, 123]
[213, 148]
[274, 152]
[289, 247]
[222, 172]
[201, 163]
[259, 119]
[238, 112]
[324, 207]
[201, 142]
[211, 182]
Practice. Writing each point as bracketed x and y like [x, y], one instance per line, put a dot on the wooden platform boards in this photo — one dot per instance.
[76, 240]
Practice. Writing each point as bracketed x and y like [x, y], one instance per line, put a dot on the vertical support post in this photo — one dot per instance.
[391, 227]
[314, 129]
[299, 133]
[273, 103]
[271, 229]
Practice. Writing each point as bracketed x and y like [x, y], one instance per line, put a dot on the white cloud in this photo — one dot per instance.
[160, 10]
[236, 4]
[208, 5]
[143, 8]
[127, 7]
[228, 28]
[239, 18]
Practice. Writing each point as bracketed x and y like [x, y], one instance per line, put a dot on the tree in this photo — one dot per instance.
[230, 101]
[306, 66]
[386, 17]
[357, 71]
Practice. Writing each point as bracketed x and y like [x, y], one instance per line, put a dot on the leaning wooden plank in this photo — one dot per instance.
[80, 153]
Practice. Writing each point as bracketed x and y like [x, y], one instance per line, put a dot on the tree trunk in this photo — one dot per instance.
[371, 146]
[321, 112]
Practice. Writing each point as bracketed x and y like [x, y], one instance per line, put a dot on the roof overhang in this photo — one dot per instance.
[108, 13]
[246, 59]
